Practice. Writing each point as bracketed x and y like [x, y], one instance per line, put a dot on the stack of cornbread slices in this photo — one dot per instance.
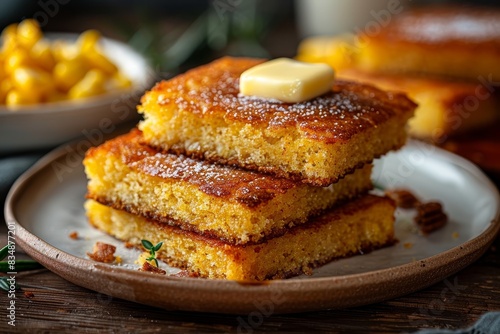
[245, 188]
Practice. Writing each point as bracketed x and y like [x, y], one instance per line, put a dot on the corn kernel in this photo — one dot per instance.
[3, 75]
[87, 41]
[33, 70]
[28, 33]
[10, 31]
[97, 60]
[29, 80]
[55, 96]
[118, 81]
[67, 73]
[5, 87]
[42, 55]
[91, 84]
[62, 50]
[15, 59]
[16, 98]
[9, 38]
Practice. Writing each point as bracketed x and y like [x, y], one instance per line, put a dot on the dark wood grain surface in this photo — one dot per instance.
[57, 305]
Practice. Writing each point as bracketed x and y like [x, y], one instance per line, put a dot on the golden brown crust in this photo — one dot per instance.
[213, 90]
[248, 188]
[274, 171]
[445, 27]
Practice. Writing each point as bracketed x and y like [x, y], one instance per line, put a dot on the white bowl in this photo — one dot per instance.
[49, 124]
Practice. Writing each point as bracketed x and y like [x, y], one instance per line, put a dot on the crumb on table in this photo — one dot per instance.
[29, 294]
[74, 235]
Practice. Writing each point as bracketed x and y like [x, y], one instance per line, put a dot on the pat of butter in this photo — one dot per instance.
[287, 80]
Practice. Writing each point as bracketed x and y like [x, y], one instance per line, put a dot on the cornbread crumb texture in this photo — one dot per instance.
[358, 226]
[224, 202]
[201, 113]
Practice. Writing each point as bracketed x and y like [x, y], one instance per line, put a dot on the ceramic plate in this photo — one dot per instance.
[46, 206]
[50, 124]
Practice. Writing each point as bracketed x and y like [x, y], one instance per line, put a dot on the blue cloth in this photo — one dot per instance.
[489, 323]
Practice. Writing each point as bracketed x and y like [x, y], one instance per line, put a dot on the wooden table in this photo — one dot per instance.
[56, 304]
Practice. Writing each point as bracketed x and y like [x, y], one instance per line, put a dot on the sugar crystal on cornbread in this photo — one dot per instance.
[362, 225]
[201, 114]
[222, 202]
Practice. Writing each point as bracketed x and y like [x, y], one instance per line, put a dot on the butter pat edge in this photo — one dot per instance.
[287, 80]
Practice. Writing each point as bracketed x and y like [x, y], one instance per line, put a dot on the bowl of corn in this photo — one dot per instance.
[60, 86]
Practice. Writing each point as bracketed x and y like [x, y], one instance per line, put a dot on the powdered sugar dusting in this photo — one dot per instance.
[220, 181]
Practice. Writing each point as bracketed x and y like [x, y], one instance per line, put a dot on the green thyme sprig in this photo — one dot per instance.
[152, 250]
[11, 266]
[3, 252]
[5, 285]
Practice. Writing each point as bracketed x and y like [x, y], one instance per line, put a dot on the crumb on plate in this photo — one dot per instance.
[146, 266]
[103, 252]
[403, 198]
[408, 245]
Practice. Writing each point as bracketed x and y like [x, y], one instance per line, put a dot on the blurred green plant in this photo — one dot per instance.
[227, 27]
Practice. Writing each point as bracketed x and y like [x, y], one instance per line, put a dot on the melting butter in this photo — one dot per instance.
[287, 80]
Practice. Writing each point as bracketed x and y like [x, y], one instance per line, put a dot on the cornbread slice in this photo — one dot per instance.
[234, 205]
[361, 225]
[461, 42]
[338, 51]
[445, 107]
[201, 114]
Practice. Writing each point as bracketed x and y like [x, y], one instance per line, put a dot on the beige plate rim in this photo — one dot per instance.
[221, 296]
